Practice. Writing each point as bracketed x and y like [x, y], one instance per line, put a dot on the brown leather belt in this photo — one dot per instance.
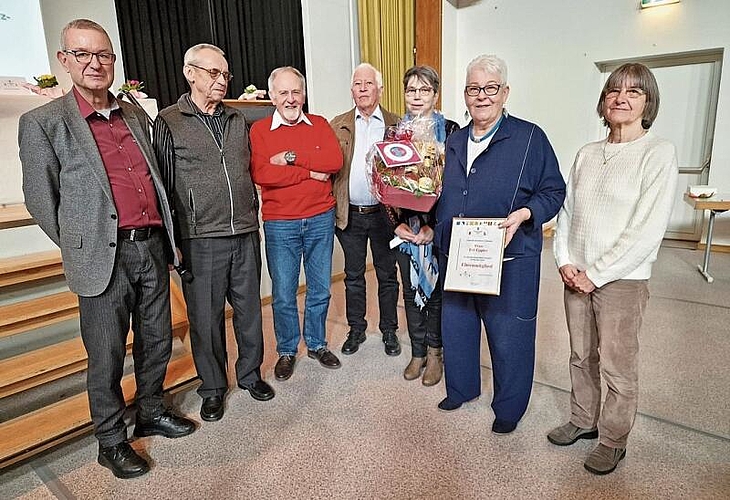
[365, 209]
[139, 234]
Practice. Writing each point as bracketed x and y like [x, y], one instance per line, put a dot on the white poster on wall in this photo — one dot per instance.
[21, 20]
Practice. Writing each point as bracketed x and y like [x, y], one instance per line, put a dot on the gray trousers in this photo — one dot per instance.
[224, 268]
[604, 341]
[140, 288]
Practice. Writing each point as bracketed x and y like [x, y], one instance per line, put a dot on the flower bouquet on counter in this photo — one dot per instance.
[405, 170]
[134, 87]
[46, 81]
[251, 93]
[46, 85]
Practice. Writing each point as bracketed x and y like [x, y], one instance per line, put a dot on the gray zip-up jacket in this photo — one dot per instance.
[209, 187]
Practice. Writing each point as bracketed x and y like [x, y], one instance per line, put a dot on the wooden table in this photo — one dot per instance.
[14, 216]
[715, 204]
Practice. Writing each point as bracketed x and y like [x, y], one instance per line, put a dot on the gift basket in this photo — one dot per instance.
[405, 170]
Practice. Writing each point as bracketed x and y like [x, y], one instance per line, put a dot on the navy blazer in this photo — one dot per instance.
[518, 169]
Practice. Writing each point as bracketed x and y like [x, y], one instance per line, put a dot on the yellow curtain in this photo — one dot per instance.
[387, 38]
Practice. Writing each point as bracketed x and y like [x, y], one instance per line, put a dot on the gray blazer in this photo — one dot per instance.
[67, 189]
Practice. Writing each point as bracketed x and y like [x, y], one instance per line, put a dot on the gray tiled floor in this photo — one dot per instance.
[364, 432]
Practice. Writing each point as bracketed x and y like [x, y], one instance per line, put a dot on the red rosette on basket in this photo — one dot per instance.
[406, 169]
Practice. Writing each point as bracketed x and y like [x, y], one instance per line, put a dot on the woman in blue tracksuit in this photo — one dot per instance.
[498, 166]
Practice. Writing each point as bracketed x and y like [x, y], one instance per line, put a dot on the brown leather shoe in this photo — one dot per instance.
[284, 367]
[325, 358]
[414, 368]
[434, 366]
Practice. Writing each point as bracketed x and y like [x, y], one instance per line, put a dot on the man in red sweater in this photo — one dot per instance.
[293, 156]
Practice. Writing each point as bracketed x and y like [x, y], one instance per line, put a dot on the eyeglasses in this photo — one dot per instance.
[489, 90]
[411, 91]
[215, 72]
[631, 93]
[83, 57]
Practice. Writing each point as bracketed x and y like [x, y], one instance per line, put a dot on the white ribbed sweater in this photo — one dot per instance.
[614, 216]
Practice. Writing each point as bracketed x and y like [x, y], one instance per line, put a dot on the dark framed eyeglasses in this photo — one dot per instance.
[411, 91]
[489, 90]
[631, 93]
[83, 57]
[214, 72]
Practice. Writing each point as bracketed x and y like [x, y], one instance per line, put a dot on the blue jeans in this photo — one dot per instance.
[287, 241]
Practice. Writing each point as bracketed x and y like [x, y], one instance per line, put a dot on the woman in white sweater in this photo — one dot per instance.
[619, 198]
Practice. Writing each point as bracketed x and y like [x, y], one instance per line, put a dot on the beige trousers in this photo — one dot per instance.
[604, 342]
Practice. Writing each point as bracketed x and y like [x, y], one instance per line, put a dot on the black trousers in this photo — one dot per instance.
[424, 325]
[224, 268]
[140, 288]
[354, 239]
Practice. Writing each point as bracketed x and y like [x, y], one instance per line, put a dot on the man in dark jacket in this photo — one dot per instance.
[202, 147]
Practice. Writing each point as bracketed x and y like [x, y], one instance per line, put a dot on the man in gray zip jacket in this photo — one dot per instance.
[202, 148]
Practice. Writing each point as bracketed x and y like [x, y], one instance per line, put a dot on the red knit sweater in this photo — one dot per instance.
[288, 192]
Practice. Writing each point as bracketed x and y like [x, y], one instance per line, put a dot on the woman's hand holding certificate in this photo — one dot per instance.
[477, 248]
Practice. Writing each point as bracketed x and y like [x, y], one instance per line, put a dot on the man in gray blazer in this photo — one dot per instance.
[91, 182]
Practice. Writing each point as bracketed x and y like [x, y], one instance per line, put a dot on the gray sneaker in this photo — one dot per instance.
[603, 460]
[569, 433]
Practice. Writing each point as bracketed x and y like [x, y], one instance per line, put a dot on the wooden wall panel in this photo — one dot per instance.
[428, 35]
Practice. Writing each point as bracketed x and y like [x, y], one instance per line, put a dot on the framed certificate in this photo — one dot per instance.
[475, 256]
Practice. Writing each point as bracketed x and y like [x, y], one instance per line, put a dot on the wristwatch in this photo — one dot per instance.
[290, 157]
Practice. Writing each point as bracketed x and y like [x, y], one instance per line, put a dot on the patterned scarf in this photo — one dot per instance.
[424, 267]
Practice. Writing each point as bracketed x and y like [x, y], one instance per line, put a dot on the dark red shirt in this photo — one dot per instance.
[129, 175]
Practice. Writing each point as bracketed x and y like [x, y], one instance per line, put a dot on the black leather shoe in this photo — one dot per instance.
[325, 358]
[212, 409]
[392, 346]
[448, 404]
[503, 426]
[352, 344]
[166, 424]
[259, 390]
[123, 461]
[284, 367]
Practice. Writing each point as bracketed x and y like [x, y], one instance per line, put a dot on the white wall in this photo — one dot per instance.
[551, 47]
[330, 48]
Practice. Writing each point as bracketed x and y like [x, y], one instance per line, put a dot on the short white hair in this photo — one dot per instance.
[193, 51]
[489, 64]
[378, 74]
[290, 69]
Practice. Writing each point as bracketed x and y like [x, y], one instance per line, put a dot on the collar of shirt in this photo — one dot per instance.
[86, 109]
[376, 114]
[277, 120]
[217, 112]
